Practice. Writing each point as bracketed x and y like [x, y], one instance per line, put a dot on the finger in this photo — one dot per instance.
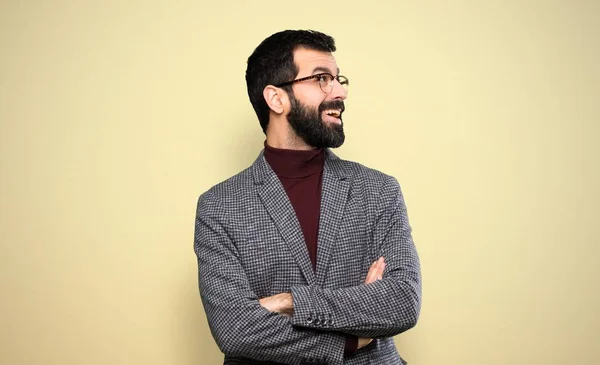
[380, 261]
[381, 270]
[362, 342]
[381, 265]
[372, 274]
[375, 270]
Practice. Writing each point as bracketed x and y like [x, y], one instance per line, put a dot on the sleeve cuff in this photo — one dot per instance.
[304, 313]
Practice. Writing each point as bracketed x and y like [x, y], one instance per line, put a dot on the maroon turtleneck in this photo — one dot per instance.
[301, 174]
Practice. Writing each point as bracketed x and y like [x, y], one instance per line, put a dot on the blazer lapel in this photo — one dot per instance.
[277, 204]
[334, 195]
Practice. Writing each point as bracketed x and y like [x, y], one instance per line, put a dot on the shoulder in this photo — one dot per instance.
[366, 177]
[227, 192]
[377, 190]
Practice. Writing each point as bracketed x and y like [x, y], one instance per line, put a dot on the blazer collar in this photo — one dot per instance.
[333, 201]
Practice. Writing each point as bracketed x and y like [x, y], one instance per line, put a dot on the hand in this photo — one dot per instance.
[375, 273]
[281, 303]
[362, 342]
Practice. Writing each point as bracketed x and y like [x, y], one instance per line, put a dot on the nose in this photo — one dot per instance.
[338, 92]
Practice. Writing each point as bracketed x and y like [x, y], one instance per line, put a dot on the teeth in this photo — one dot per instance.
[335, 113]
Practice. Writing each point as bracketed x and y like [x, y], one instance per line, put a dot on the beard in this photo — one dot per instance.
[310, 127]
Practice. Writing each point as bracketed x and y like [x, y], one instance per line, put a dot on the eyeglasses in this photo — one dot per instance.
[325, 81]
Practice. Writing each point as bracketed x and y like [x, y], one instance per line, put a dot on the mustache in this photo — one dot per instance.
[333, 104]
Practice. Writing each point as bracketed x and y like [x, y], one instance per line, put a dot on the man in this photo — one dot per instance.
[305, 258]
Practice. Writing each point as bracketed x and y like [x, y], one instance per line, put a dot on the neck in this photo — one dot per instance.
[289, 143]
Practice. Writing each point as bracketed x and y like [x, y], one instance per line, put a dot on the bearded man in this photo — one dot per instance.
[305, 258]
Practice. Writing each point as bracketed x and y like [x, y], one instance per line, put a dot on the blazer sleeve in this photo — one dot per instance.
[383, 308]
[239, 324]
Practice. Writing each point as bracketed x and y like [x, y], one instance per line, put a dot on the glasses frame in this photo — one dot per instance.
[343, 80]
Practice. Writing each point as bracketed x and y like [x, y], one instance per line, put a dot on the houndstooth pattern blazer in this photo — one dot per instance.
[249, 245]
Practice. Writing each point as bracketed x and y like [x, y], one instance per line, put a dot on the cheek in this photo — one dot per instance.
[310, 97]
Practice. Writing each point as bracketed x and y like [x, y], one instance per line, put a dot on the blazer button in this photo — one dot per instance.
[330, 321]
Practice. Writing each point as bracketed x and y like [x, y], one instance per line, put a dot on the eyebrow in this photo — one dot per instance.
[324, 69]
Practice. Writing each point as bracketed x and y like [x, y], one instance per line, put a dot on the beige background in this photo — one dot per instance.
[114, 117]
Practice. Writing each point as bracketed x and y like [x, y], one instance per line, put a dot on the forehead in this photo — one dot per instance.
[309, 60]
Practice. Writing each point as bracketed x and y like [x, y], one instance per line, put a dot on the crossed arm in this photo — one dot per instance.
[283, 303]
[310, 323]
[377, 308]
[240, 326]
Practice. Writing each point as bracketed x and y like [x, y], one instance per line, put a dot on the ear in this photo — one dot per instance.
[275, 98]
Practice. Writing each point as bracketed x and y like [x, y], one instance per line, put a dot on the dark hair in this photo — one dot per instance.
[272, 63]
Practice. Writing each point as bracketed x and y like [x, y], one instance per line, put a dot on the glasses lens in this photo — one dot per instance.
[343, 81]
[326, 83]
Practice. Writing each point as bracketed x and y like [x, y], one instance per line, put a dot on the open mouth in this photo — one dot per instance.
[334, 113]
[332, 116]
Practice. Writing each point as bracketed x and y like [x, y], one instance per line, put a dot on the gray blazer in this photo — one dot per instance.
[250, 245]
